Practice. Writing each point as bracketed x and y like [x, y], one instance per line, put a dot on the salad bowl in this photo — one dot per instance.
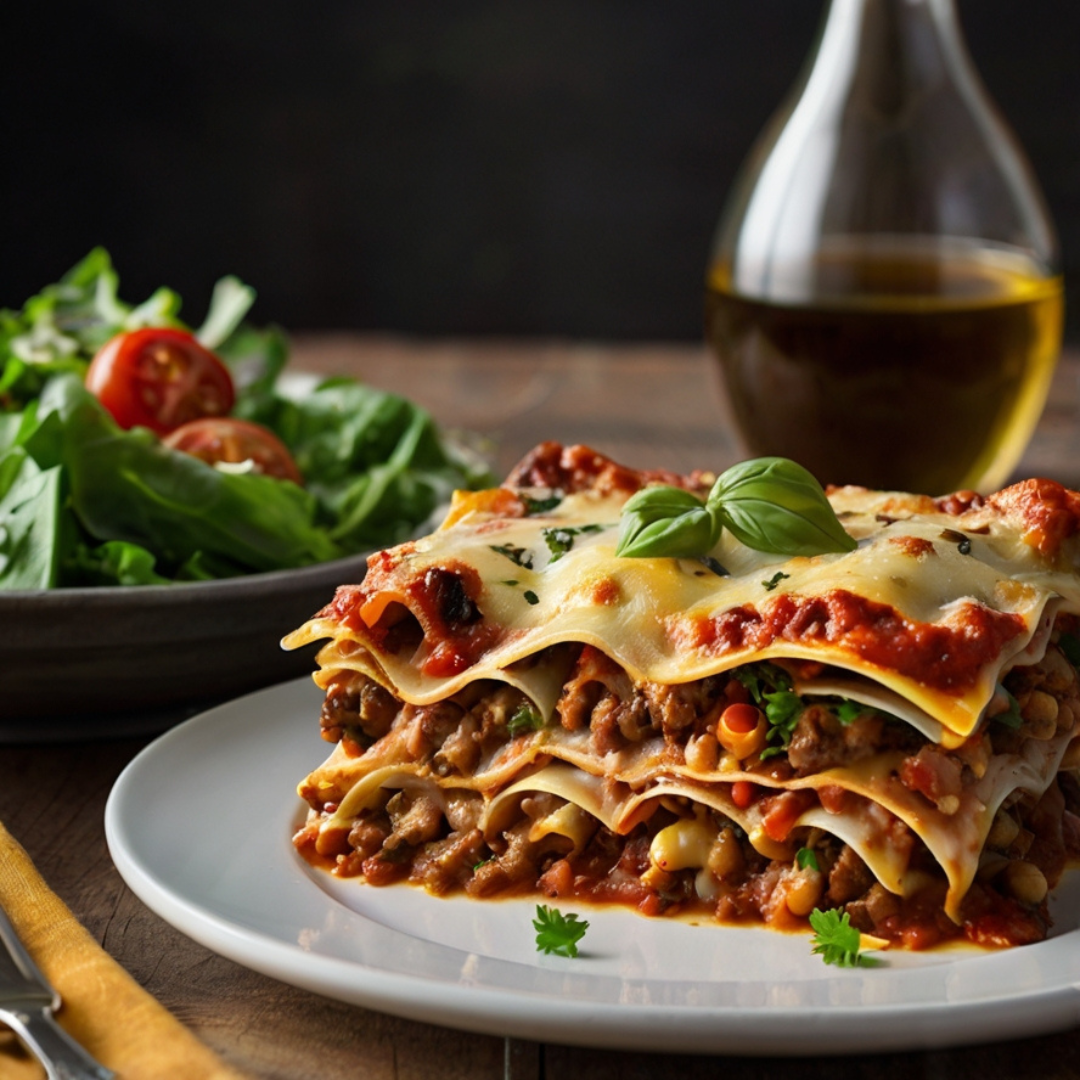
[74, 657]
[173, 501]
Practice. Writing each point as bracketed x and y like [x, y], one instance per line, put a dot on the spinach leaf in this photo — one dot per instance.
[31, 534]
[126, 485]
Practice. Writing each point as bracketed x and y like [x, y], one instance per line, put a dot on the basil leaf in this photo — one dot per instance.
[126, 485]
[667, 521]
[772, 504]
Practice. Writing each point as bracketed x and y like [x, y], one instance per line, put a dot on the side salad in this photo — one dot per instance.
[136, 450]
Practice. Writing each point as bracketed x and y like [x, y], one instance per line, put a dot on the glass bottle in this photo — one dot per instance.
[884, 294]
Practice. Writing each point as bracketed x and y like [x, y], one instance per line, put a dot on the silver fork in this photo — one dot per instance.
[27, 1003]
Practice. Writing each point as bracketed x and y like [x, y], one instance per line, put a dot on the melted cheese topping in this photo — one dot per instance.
[908, 611]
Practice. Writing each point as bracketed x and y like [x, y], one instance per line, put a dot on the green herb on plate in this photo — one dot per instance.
[557, 933]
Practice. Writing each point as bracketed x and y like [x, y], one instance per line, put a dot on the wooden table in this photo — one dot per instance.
[644, 405]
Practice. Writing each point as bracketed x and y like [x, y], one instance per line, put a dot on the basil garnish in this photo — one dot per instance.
[664, 520]
[770, 504]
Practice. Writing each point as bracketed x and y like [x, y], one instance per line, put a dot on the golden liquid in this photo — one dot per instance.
[908, 370]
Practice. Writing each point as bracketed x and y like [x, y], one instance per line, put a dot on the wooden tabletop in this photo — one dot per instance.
[646, 405]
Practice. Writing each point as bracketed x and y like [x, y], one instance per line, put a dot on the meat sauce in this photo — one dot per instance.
[747, 887]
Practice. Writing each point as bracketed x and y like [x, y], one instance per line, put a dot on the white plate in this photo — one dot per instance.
[199, 826]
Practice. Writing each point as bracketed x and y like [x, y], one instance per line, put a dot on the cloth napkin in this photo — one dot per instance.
[103, 1008]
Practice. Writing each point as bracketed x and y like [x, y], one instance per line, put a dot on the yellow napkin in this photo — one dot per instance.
[117, 1021]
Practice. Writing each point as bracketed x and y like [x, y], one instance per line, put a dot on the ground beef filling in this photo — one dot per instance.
[437, 843]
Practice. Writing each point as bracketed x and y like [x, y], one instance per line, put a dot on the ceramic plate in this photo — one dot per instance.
[230, 879]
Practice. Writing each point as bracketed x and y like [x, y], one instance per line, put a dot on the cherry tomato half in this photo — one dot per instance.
[224, 438]
[159, 378]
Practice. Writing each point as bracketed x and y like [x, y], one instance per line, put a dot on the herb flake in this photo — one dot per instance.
[557, 933]
[525, 719]
[517, 555]
[836, 941]
[782, 710]
[560, 540]
[1010, 717]
[541, 506]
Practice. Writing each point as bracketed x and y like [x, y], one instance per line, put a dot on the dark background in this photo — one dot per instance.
[539, 167]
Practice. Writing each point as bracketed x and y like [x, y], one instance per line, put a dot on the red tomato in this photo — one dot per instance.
[743, 793]
[159, 378]
[224, 438]
[741, 719]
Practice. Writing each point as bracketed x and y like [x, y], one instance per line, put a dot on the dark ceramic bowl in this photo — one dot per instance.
[77, 658]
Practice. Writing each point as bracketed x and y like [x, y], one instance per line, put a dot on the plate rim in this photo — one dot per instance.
[770, 1030]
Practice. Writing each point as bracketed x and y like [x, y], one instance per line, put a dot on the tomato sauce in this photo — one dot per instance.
[947, 657]
[1049, 511]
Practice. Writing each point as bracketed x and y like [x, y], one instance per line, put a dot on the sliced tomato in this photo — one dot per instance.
[159, 378]
[226, 439]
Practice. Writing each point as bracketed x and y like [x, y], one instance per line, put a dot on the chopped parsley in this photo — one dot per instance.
[557, 933]
[525, 719]
[770, 687]
[515, 554]
[775, 580]
[1010, 717]
[761, 677]
[531, 597]
[847, 712]
[561, 539]
[806, 859]
[782, 710]
[836, 941]
[541, 506]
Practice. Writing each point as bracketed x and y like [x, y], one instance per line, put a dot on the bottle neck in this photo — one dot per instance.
[889, 136]
[891, 51]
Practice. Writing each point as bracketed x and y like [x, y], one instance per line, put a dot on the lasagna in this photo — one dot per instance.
[887, 731]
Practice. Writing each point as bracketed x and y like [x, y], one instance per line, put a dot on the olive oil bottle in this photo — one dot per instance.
[906, 369]
[884, 296]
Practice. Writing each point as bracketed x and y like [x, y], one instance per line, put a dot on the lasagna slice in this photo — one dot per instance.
[888, 731]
